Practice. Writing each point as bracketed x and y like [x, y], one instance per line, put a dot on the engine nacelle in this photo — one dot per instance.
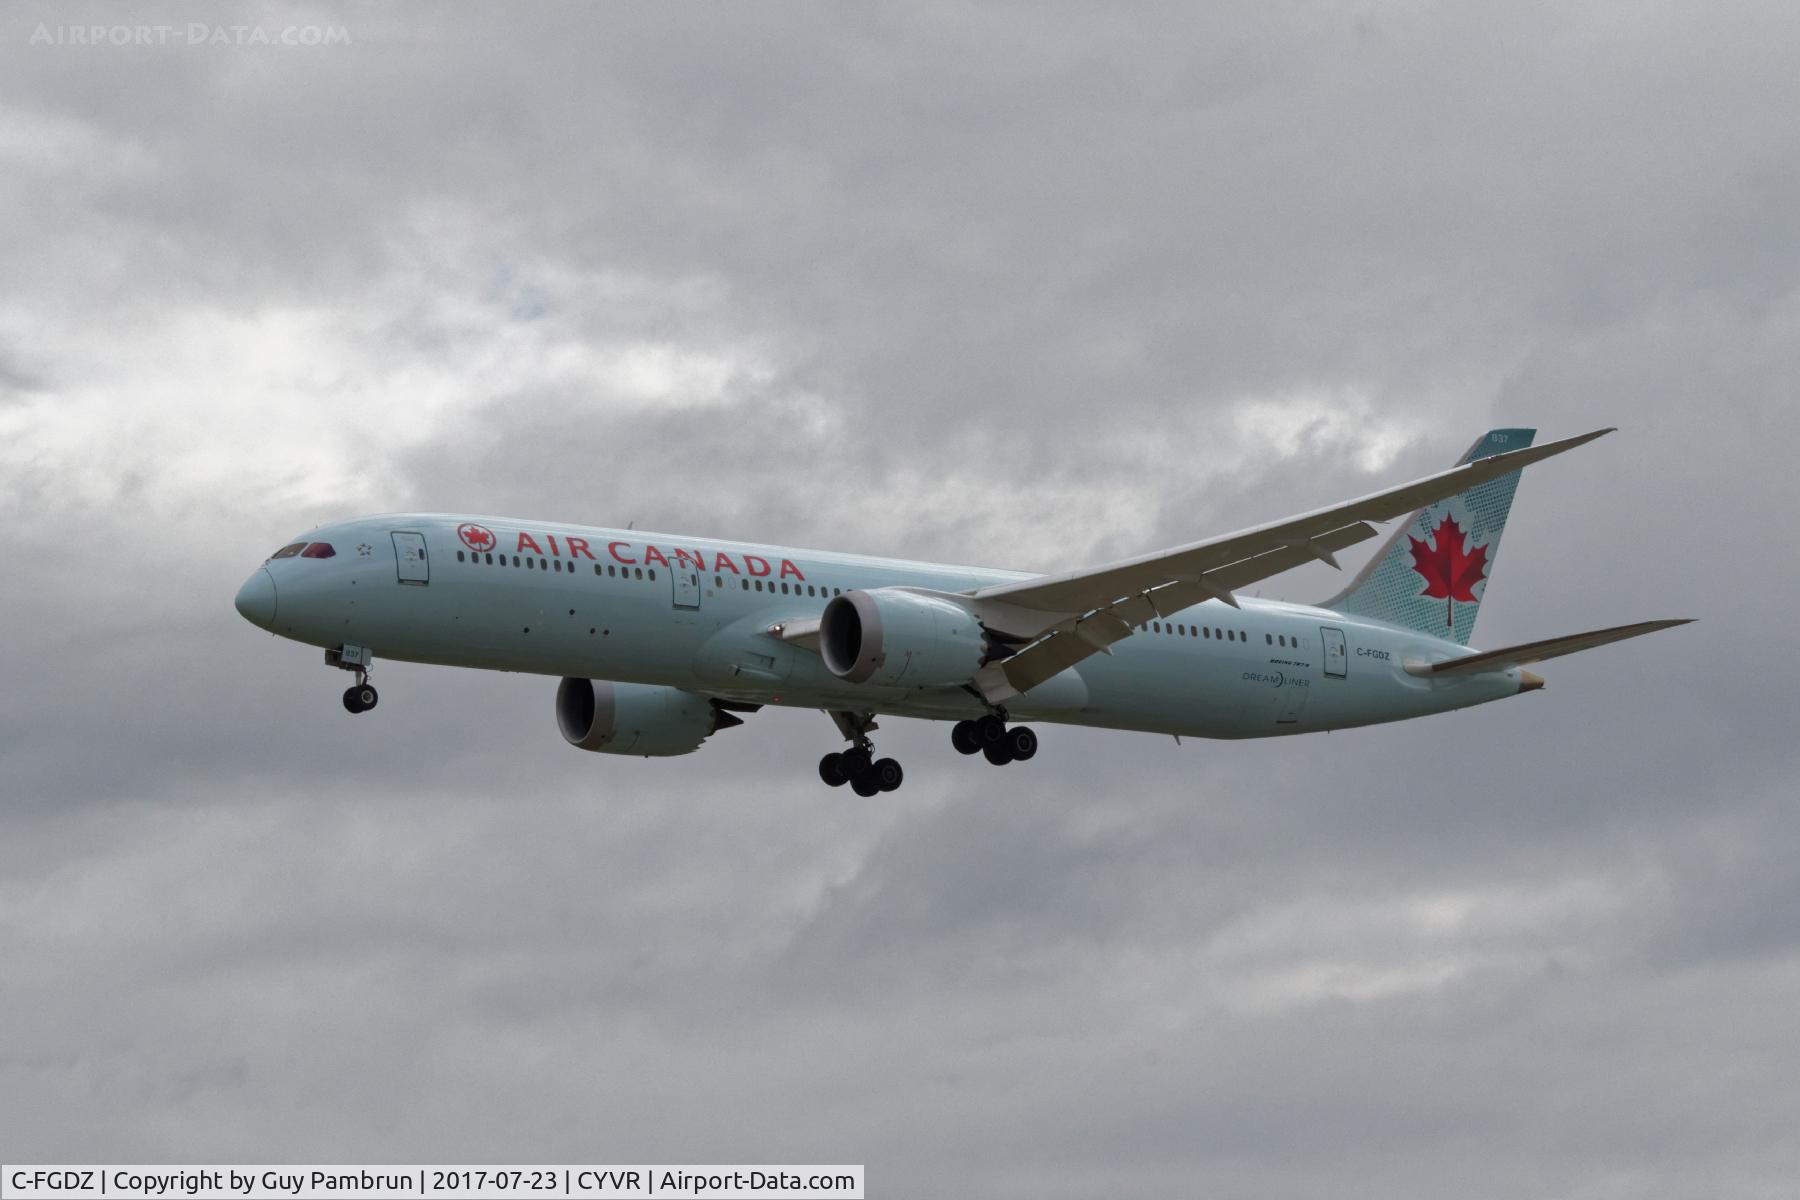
[634, 718]
[898, 638]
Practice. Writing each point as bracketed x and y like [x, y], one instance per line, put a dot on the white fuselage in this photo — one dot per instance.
[696, 614]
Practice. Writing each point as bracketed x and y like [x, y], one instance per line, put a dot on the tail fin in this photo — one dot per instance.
[1432, 573]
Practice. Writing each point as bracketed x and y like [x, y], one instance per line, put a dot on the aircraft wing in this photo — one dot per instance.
[1531, 652]
[1079, 613]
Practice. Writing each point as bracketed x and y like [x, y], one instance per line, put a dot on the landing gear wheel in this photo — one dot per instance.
[989, 730]
[963, 737]
[831, 770]
[887, 773]
[855, 762]
[998, 753]
[1021, 742]
[865, 784]
[360, 698]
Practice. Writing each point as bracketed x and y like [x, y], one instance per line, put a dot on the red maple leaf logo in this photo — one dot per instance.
[1450, 572]
[475, 537]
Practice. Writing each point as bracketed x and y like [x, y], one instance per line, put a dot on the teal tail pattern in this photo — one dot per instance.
[1431, 574]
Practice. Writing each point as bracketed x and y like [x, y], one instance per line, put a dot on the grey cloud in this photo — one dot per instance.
[1019, 287]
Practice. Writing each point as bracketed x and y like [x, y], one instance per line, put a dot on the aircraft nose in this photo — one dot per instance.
[256, 599]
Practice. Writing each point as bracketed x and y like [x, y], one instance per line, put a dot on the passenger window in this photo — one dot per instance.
[640, 572]
[1269, 638]
[809, 589]
[459, 556]
[319, 550]
[652, 573]
[718, 581]
[1156, 627]
[746, 584]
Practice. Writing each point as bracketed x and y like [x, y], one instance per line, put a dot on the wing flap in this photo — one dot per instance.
[1531, 652]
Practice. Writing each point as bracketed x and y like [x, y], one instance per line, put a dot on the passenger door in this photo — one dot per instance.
[686, 581]
[1337, 654]
[409, 554]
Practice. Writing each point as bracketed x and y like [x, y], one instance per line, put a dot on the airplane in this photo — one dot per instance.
[662, 640]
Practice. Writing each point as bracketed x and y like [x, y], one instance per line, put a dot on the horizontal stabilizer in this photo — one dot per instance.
[1530, 652]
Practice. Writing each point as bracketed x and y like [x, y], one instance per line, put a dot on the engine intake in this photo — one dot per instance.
[899, 638]
[635, 718]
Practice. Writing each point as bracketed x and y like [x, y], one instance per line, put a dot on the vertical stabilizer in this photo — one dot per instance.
[1432, 573]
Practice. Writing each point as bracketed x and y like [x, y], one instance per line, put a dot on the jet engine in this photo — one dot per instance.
[894, 637]
[635, 718]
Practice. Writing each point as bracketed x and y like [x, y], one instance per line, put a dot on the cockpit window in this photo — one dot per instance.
[319, 550]
[288, 551]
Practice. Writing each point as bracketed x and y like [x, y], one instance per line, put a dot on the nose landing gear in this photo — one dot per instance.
[361, 696]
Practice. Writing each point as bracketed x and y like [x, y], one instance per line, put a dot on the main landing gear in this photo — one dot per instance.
[361, 696]
[858, 766]
[989, 736]
[994, 740]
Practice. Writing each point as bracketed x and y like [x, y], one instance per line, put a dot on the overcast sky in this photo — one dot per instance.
[1029, 286]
